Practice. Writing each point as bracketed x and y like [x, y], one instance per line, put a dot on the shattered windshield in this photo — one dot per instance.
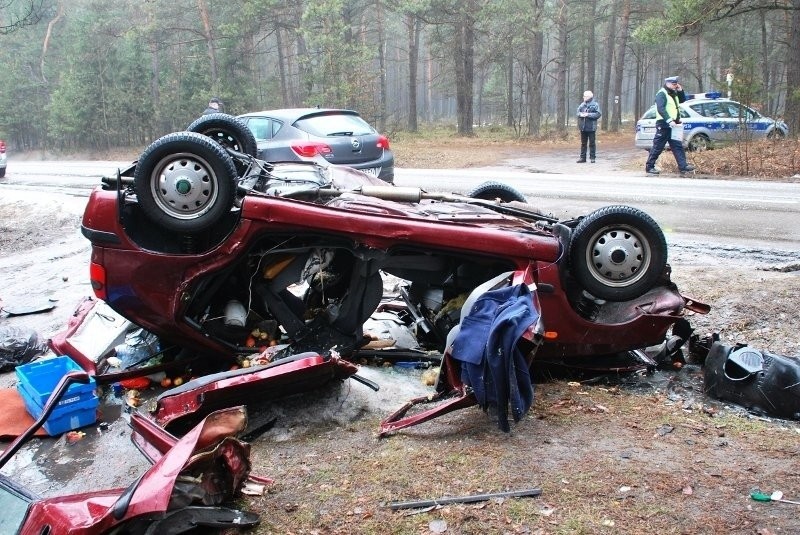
[14, 506]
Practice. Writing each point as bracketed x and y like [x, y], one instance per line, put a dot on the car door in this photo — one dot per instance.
[721, 125]
[757, 124]
[265, 129]
[739, 113]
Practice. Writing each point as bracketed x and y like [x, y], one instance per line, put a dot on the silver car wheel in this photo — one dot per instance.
[184, 186]
[618, 255]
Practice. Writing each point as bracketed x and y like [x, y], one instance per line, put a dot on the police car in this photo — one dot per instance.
[710, 121]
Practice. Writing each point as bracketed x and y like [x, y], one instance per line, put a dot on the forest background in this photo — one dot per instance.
[97, 74]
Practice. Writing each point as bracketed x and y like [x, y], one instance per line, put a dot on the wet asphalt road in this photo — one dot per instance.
[744, 219]
[730, 212]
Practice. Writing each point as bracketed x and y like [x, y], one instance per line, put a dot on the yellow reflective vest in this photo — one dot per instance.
[672, 106]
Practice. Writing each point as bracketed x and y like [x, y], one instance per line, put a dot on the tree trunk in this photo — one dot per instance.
[612, 31]
[48, 35]
[562, 64]
[382, 90]
[510, 89]
[793, 72]
[765, 78]
[429, 85]
[534, 85]
[208, 35]
[282, 66]
[465, 68]
[698, 52]
[616, 118]
[412, 26]
[591, 59]
[306, 81]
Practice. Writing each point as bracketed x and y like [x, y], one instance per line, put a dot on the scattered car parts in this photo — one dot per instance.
[184, 489]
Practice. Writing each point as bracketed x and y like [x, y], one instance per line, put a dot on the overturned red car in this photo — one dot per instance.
[222, 255]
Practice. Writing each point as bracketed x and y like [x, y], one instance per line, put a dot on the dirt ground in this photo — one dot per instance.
[620, 455]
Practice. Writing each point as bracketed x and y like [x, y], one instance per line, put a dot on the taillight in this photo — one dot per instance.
[310, 149]
[97, 277]
[383, 142]
[2, 147]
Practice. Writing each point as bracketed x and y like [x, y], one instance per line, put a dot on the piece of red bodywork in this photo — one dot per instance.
[452, 396]
[208, 464]
[65, 343]
[298, 373]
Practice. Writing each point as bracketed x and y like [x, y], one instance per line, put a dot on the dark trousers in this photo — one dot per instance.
[664, 136]
[588, 137]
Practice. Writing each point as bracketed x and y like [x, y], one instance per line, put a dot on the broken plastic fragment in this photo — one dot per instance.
[253, 489]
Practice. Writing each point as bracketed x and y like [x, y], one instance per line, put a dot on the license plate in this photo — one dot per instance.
[374, 171]
[647, 129]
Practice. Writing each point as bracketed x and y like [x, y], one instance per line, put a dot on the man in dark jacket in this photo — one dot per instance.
[668, 126]
[588, 114]
[214, 106]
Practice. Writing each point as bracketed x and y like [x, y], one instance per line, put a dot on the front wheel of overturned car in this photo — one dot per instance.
[491, 191]
[617, 253]
[185, 182]
[226, 130]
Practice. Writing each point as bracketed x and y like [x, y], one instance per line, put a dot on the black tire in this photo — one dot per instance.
[699, 143]
[226, 130]
[617, 253]
[185, 182]
[491, 191]
[776, 133]
[2, 172]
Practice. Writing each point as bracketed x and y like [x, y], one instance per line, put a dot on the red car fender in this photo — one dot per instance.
[96, 512]
[297, 373]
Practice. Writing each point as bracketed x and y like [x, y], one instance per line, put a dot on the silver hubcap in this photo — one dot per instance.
[618, 256]
[184, 186]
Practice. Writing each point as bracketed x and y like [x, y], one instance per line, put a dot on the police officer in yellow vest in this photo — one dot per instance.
[668, 116]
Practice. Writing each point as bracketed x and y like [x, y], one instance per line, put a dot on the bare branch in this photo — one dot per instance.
[29, 13]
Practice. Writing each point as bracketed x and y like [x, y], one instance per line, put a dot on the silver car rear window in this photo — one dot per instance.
[335, 125]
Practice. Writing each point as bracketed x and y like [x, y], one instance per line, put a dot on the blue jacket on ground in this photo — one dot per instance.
[486, 345]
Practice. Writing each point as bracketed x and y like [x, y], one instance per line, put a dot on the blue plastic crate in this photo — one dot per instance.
[77, 407]
[66, 418]
[37, 381]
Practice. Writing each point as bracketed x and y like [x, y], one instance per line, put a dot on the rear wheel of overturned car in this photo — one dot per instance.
[185, 182]
[617, 253]
[491, 191]
[226, 130]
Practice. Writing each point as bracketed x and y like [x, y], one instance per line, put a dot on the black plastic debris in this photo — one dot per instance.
[18, 346]
[760, 381]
